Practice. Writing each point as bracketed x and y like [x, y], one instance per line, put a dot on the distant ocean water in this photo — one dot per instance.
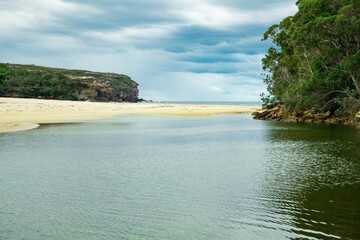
[140, 177]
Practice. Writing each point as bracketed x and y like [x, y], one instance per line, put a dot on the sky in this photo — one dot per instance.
[176, 50]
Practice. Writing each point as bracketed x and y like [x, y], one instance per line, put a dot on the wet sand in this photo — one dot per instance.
[18, 114]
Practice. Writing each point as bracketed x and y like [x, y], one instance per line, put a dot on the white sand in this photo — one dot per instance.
[21, 114]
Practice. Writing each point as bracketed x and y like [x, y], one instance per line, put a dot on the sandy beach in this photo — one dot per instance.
[18, 114]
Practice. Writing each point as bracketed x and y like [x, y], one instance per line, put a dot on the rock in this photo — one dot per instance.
[290, 119]
[143, 100]
[263, 114]
[279, 113]
[307, 113]
[333, 121]
[327, 114]
[357, 117]
[298, 114]
[107, 87]
[308, 120]
[274, 113]
[271, 115]
[321, 117]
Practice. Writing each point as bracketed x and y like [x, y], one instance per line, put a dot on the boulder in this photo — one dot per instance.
[357, 117]
[290, 119]
[333, 121]
[263, 114]
[320, 117]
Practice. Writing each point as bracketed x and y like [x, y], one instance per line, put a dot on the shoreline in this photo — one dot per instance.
[279, 113]
[18, 114]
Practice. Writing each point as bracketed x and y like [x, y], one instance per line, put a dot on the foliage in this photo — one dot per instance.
[4, 71]
[316, 57]
[53, 83]
[31, 81]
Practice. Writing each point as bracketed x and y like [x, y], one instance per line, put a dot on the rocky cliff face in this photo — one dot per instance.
[54, 83]
[106, 87]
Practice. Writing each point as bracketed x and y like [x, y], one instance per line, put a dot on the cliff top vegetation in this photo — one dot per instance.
[55, 83]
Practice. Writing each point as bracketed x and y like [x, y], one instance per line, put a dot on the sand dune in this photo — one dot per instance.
[21, 114]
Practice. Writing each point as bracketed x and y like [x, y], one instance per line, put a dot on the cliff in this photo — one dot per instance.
[30, 81]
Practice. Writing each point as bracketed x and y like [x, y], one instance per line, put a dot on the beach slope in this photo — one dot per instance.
[21, 114]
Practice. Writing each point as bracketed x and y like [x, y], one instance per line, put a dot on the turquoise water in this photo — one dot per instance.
[224, 177]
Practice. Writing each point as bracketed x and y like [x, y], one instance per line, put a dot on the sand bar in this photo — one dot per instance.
[21, 114]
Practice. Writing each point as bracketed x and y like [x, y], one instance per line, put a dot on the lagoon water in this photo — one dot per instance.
[224, 177]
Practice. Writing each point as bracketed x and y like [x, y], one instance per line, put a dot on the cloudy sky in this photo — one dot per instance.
[177, 50]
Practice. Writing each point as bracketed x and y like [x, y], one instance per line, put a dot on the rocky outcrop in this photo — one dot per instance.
[279, 113]
[106, 87]
[357, 117]
[32, 81]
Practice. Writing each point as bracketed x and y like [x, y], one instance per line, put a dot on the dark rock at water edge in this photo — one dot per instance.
[357, 117]
[279, 113]
[32, 81]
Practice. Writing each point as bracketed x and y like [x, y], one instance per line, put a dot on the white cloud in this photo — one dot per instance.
[21, 15]
[220, 16]
[204, 14]
[132, 36]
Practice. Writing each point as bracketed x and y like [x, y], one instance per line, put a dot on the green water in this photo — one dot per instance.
[225, 177]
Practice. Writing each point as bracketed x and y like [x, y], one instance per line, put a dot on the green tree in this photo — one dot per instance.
[316, 57]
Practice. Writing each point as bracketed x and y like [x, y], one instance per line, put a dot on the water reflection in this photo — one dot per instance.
[227, 177]
[313, 176]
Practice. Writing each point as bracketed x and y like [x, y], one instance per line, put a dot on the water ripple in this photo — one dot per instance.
[180, 178]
